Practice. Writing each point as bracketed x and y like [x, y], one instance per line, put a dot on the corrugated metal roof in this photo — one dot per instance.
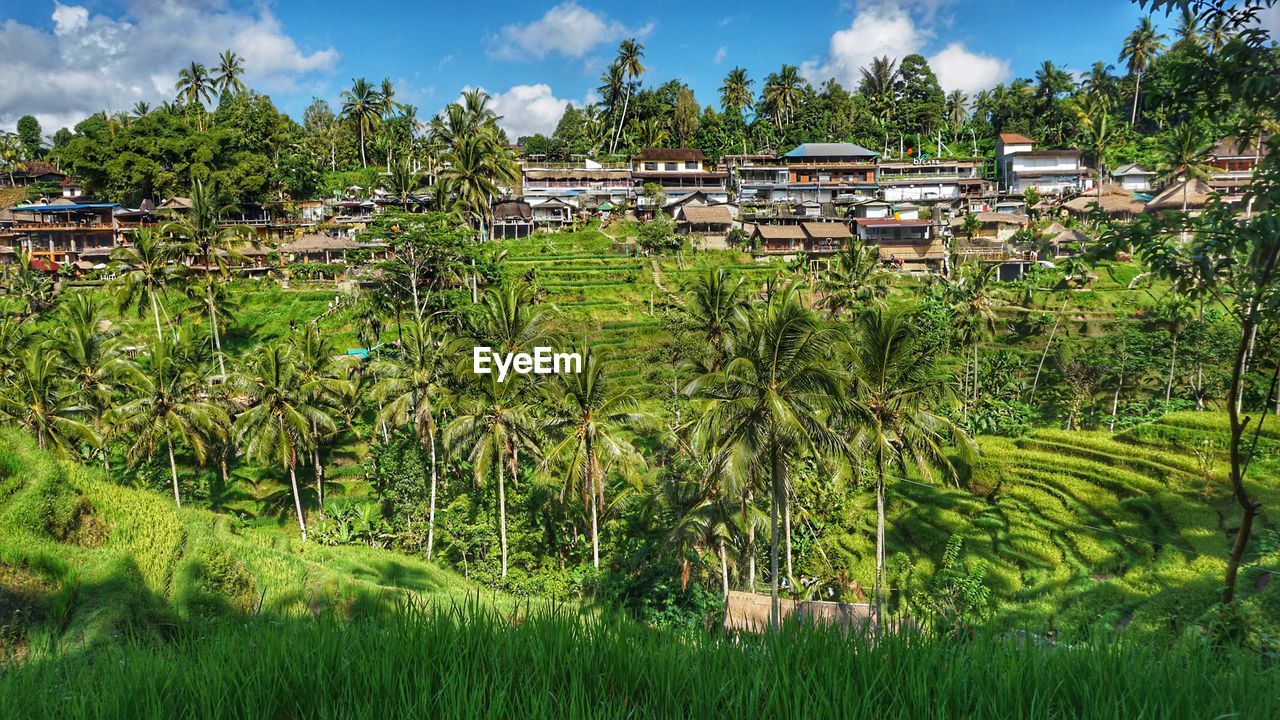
[830, 150]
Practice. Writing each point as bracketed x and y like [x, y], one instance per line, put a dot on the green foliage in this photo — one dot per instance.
[659, 234]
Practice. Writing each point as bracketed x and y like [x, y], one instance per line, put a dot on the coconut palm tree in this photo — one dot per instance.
[282, 418]
[735, 93]
[89, 347]
[324, 386]
[769, 404]
[475, 167]
[148, 267]
[880, 82]
[1140, 48]
[957, 109]
[1184, 157]
[403, 181]
[411, 387]
[227, 77]
[630, 53]
[647, 133]
[165, 404]
[716, 308]
[783, 91]
[362, 105]
[194, 86]
[387, 105]
[857, 280]
[201, 234]
[1174, 314]
[38, 397]
[591, 414]
[1099, 82]
[973, 307]
[493, 420]
[892, 409]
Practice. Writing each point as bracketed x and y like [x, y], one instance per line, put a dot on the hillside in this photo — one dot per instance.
[83, 560]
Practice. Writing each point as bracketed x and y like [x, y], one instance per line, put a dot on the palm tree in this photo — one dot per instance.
[1094, 113]
[90, 351]
[973, 308]
[194, 85]
[612, 82]
[323, 385]
[591, 414]
[282, 418]
[1174, 313]
[203, 235]
[647, 133]
[857, 281]
[717, 307]
[1140, 48]
[362, 105]
[770, 403]
[880, 82]
[782, 93]
[1187, 29]
[403, 181]
[165, 392]
[493, 421]
[230, 68]
[735, 93]
[957, 110]
[37, 398]
[387, 105]
[148, 266]
[1184, 157]
[630, 52]
[412, 389]
[1099, 82]
[474, 167]
[894, 392]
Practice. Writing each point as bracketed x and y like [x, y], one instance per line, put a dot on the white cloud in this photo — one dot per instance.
[958, 68]
[899, 28]
[720, 53]
[529, 110]
[91, 62]
[1269, 19]
[568, 29]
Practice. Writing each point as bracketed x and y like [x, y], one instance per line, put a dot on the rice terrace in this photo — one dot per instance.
[894, 359]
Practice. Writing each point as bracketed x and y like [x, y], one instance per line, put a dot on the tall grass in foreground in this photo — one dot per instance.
[469, 662]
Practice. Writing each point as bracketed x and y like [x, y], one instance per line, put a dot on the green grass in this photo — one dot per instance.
[468, 661]
[106, 559]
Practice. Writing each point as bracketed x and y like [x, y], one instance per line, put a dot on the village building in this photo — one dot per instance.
[586, 184]
[998, 226]
[825, 172]
[512, 218]
[677, 171]
[708, 220]
[33, 172]
[1190, 196]
[928, 179]
[1134, 178]
[551, 212]
[1050, 172]
[63, 232]
[1115, 202]
[758, 178]
[1234, 163]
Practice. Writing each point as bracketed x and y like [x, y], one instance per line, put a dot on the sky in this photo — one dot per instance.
[64, 61]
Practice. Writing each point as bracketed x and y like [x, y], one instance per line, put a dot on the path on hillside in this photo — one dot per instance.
[657, 276]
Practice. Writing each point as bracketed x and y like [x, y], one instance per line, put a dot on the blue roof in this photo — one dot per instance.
[830, 150]
[65, 208]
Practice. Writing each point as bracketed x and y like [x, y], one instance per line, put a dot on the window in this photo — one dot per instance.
[651, 166]
[672, 166]
[691, 165]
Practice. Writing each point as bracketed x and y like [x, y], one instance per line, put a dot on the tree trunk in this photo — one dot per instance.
[1244, 370]
[1045, 354]
[1173, 363]
[1115, 401]
[173, 470]
[724, 570]
[431, 512]
[1137, 89]
[786, 521]
[363, 161]
[751, 542]
[213, 323]
[297, 498]
[975, 372]
[318, 471]
[879, 609]
[155, 310]
[775, 617]
[595, 522]
[502, 513]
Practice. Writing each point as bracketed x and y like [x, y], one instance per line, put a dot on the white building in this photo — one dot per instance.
[928, 180]
[1133, 177]
[1050, 172]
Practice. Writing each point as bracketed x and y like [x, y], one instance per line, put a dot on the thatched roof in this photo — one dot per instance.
[1066, 237]
[509, 210]
[1197, 197]
[780, 232]
[320, 243]
[707, 215]
[176, 203]
[826, 230]
[1114, 200]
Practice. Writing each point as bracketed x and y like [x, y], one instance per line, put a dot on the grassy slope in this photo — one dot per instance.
[81, 559]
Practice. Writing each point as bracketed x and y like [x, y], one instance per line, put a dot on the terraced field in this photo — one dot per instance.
[1087, 532]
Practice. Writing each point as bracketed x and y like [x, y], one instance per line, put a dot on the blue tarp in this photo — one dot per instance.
[65, 208]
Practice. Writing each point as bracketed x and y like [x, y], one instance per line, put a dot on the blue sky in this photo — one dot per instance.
[534, 57]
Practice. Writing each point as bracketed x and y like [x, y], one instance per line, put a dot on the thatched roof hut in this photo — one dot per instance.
[1115, 202]
[1196, 197]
